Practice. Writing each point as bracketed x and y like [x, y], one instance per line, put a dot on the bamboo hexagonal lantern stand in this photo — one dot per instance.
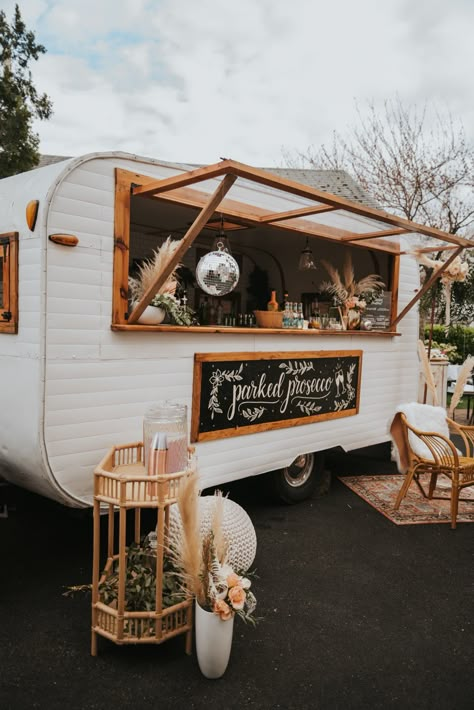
[122, 484]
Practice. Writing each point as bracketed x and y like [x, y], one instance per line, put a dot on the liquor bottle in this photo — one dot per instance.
[272, 304]
[300, 317]
[220, 314]
[212, 313]
[285, 300]
[204, 312]
[291, 315]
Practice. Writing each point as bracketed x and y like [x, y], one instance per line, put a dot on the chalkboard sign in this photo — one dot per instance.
[240, 393]
[379, 312]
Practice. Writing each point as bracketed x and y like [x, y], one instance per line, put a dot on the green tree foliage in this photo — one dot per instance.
[20, 103]
[459, 336]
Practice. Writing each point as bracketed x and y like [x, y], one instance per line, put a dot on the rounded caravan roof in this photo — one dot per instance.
[42, 181]
[64, 167]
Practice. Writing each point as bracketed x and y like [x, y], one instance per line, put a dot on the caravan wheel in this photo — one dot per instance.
[296, 482]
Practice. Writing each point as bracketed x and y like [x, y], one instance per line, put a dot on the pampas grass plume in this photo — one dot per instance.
[463, 376]
[427, 373]
[220, 544]
[151, 269]
[189, 550]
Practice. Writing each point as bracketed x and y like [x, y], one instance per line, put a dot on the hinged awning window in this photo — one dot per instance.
[256, 196]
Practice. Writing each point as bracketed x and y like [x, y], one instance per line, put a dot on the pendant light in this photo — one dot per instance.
[306, 262]
[221, 242]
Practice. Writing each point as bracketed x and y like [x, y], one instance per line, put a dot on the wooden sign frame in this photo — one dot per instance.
[299, 363]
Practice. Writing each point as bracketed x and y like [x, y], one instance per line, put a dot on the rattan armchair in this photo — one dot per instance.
[440, 457]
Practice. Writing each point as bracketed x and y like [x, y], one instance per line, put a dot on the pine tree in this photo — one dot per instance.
[20, 103]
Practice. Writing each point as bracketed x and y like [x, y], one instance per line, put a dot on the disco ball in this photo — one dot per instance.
[217, 273]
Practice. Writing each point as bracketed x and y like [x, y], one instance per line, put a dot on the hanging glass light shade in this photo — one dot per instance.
[222, 241]
[307, 261]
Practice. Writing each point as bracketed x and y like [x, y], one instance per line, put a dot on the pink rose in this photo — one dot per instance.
[237, 597]
[233, 579]
[223, 609]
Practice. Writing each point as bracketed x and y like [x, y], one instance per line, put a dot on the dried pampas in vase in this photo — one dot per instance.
[149, 271]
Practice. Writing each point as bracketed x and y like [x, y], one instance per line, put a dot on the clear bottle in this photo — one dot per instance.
[169, 418]
[286, 315]
[220, 314]
[272, 304]
[212, 313]
[285, 301]
[300, 317]
[204, 312]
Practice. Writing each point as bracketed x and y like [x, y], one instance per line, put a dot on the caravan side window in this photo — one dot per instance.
[9, 282]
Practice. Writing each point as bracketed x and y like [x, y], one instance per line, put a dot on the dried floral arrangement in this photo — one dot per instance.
[202, 562]
[456, 271]
[179, 313]
[346, 291]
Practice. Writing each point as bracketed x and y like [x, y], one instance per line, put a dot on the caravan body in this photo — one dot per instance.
[72, 386]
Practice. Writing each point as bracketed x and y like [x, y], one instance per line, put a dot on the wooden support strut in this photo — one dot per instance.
[291, 214]
[196, 227]
[426, 286]
[374, 235]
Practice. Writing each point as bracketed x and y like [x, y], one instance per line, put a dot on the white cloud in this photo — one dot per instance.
[191, 81]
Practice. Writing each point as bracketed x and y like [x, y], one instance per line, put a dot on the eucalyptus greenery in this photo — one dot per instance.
[140, 581]
[178, 313]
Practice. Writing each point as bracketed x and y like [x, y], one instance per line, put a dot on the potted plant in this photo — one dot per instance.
[165, 304]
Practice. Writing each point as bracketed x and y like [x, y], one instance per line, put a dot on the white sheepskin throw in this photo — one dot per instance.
[424, 417]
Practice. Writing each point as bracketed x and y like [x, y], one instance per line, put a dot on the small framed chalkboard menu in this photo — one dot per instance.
[379, 311]
[241, 393]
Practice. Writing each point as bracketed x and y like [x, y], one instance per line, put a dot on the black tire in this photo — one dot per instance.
[300, 479]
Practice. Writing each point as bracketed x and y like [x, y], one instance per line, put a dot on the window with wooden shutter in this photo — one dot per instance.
[9, 282]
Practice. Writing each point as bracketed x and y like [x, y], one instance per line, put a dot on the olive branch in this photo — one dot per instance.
[296, 368]
[253, 414]
[308, 407]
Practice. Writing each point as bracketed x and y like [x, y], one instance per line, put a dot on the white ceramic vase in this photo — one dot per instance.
[152, 315]
[213, 642]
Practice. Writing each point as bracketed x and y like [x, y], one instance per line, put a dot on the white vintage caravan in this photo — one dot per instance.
[78, 370]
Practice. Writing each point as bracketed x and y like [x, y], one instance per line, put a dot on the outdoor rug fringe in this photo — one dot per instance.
[381, 491]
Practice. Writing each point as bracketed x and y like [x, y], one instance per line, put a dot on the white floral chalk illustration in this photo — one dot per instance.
[253, 414]
[216, 379]
[349, 391]
[296, 368]
[308, 407]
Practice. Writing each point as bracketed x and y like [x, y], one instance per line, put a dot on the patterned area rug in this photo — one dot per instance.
[381, 492]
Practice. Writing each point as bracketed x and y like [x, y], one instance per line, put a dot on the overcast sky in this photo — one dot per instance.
[194, 80]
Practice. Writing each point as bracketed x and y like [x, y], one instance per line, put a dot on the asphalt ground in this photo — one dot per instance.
[357, 613]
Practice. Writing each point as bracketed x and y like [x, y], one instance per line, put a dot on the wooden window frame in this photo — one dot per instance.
[125, 182]
[176, 189]
[9, 309]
